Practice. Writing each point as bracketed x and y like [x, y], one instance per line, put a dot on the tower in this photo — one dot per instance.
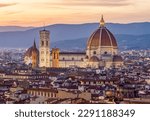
[55, 57]
[44, 48]
[34, 56]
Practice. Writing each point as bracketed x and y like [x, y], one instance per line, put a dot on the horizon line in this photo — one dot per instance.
[124, 23]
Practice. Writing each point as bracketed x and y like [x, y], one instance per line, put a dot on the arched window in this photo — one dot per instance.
[87, 57]
[46, 43]
[42, 43]
[94, 52]
[54, 55]
[105, 52]
[42, 52]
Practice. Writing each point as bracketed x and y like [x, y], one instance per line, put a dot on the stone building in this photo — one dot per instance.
[101, 51]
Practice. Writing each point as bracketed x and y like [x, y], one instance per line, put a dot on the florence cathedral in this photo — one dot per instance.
[101, 51]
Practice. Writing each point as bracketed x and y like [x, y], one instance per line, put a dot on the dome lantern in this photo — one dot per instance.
[102, 22]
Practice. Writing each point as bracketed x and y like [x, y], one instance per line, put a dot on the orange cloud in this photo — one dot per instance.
[96, 2]
[7, 4]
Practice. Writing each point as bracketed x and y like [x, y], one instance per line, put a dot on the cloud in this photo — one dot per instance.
[12, 12]
[6, 4]
[65, 4]
[96, 2]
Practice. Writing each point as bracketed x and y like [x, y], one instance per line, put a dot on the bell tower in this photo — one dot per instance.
[44, 48]
[55, 57]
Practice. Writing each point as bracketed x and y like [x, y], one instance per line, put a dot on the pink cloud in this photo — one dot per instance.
[7, 4]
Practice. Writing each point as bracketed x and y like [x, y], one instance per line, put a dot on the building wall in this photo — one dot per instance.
[48, 94]
[27, 60]
[93, 64]
[101, 50]
[64, 94]
[68, 60]
[72, 57]
[55, 57]
[60, 94]
[65, 64]
[35, 59]
[22, 76]
[118, 64]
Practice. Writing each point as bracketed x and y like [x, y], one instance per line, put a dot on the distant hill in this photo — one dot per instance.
[125, 42]
[13, 28]
[132, 35]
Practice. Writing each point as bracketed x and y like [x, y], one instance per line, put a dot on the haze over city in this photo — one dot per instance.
[36, 13]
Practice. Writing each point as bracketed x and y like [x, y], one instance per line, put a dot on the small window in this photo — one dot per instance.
[46, 43]
[87, 57]
[42, 43]
[63, 58]
[81, 59]
[105, 52]
[72, 58]
[51, 94]
[94, 52]
[54, 55]
[42, 52]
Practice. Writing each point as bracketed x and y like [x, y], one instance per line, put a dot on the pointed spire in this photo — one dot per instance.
[34, 45]
[102, 22]
[44, 26]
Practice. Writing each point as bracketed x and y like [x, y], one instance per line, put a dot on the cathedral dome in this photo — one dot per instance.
[30, 50]
[102, 37]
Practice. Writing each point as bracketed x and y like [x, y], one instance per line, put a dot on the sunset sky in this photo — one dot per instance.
[38, 12]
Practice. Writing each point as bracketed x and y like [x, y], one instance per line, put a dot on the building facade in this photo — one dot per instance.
[67, 59]
[101, 51]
